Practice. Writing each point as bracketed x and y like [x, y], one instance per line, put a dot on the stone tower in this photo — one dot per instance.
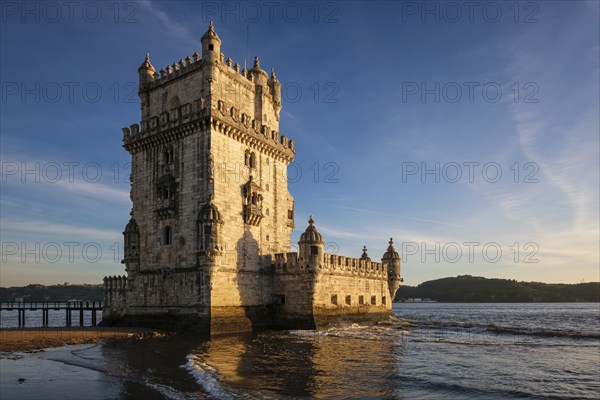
[211, 207]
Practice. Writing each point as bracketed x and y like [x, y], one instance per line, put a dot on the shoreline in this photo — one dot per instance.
[35, 339]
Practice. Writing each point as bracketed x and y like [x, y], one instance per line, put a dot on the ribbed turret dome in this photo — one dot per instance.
[131, 226]
[256, 67]
[210, 33]
[273, 77]
[147, 65]
[210, 212]
[391, 253]
[311, 235]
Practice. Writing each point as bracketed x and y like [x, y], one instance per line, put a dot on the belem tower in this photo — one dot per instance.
[208, 243]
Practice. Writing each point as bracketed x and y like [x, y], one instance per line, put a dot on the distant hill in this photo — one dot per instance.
[52, 293]
[465, 288]
[475, 289]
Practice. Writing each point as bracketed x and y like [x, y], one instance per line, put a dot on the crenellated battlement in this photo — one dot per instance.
[329, 264]
[178, 69]
[115, 291]
[115, 282]
[226, 120]
[193, 63]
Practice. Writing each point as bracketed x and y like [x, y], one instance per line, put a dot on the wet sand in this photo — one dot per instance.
[29, 339]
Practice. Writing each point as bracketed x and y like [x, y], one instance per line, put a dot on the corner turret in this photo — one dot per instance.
[311, 242]
[146, 72]
[391, 259]
[211, 45]
[209, 229]
[275, 87]
[259, 76]
[132, 246]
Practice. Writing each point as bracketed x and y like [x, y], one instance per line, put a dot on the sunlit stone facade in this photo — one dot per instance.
[208, 242]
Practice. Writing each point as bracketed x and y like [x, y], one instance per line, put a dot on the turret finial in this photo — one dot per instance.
[311, 221]
[273, 73]
[391, 246]
[146, 65]
[365, 255]
[210, 33]
[256, 63]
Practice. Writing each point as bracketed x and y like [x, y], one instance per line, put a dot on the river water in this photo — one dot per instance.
[431, 351]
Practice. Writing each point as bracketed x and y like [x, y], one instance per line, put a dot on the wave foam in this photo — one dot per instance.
[210, 380]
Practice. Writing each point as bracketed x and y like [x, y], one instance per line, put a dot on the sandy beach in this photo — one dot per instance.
[29, 339]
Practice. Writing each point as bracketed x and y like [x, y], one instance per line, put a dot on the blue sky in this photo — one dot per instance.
[389, 101]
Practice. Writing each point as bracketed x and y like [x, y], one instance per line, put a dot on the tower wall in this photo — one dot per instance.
[209, 239]
[242, 278]
[322, 291]
[154, 212]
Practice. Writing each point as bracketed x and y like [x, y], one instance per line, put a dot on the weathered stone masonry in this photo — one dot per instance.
[208, 241]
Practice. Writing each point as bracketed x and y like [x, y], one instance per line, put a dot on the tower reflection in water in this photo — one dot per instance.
[336, 363]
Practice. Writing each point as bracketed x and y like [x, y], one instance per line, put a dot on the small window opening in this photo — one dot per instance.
[361, 300]
[168, 235]
[373, 300]
[314, 250]
[334, 299]
[349, 300]
[168, 156]
[211, 47]
[383, 300]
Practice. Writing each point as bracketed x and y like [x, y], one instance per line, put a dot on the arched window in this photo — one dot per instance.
[168, 235]
[250, 159]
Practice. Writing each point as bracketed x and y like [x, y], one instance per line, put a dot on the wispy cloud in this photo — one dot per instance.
[559, 133]
[400, 216]
[45, 227]
[95, 190]
[57, 182]
[172, 27]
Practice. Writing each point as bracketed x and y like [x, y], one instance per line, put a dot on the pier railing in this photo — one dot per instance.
[70, 307]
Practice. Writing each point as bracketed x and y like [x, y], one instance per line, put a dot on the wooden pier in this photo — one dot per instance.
[69, 307]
